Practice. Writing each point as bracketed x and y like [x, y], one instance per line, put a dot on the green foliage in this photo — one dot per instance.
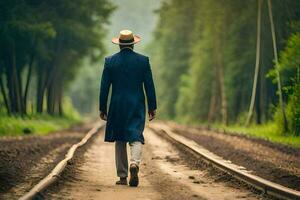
[294, 110]
[206, 56]
[278, 119]
[266, 131]
[172, 45]
[37, 124]
[290, 70]
[84, 90]
[69, 110]
[47, 39]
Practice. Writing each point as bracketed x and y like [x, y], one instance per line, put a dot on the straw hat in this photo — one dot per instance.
[126, 37]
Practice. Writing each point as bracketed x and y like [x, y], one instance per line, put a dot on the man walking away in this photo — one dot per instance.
[128, 73]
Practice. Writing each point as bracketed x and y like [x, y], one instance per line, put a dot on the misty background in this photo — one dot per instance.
[138, 16]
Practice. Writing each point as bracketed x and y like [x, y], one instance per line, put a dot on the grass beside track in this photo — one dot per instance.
[265, 131]
[268, 131]
[37, 124]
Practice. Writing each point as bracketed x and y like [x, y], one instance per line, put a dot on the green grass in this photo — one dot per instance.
[38, 124]
[266, 131]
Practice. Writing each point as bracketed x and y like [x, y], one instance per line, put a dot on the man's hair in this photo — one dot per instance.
[126, 46]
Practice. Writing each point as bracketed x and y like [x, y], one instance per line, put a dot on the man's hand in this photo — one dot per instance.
[151, 114]
[103, 116]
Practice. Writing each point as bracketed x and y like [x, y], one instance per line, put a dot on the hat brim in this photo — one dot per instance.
[136, 40]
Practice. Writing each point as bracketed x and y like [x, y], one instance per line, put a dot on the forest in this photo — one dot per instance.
[215, 62]
[42, 45]
[229, 62]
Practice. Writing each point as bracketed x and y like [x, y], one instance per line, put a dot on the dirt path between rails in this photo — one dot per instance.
[95, 178]
[271, 161]
[27, 159]
[164, 175]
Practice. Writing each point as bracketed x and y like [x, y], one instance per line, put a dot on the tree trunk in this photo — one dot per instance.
[51, 90]
[257, 62]
[16, 84]
[258, 104]
[60, 107]
[28, 79]
[19, 91]
[223, 93]
[40, 90]
[9, 86]
[285, 122]
[262, 97]
[50, 100]
[60, 101]
[212, 106]
[40, 98]
[220, 74]
[13, 84]
[4, 95]
[51, 97]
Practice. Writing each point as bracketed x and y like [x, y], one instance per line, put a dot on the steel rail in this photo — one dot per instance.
[54, 175]
[238, 172]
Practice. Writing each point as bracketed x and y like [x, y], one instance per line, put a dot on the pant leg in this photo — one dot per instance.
[121, 159]
[136, 152]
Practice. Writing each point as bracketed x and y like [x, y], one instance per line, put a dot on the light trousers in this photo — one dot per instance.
[121, 156]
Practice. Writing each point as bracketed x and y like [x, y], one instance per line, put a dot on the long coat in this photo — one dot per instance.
[128, 73]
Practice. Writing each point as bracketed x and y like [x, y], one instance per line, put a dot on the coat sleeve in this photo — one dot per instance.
[104, 87]
[149, 88]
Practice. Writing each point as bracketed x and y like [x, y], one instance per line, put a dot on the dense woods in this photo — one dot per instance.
[205, 53]
[42, 44]
[214, 61]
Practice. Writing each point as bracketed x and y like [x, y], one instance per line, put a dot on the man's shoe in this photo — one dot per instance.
[122, 181]
[134, 179]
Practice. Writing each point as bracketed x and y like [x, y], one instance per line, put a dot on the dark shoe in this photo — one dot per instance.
[122, 181]
[134, 179]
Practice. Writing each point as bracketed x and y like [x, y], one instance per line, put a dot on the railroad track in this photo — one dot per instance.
[54, 175]
[226, 166]
[238, 172]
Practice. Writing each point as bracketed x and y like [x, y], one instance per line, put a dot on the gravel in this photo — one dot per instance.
[27, 159]
[274, 162]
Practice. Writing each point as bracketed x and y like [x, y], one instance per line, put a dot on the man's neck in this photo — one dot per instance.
[123, 48]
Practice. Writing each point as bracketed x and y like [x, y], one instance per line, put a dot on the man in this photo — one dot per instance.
[128, 73]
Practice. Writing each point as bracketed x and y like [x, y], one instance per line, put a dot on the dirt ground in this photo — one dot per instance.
[164, 175]
[271, 161]
[26, 159]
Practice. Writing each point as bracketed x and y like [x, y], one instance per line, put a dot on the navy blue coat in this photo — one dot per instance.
[128, 73]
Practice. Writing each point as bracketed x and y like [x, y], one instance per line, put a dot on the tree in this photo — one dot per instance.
[257, 60]
[173, 36]
[47, 39]
[289, 66]
[277, 68]
[209, 77]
